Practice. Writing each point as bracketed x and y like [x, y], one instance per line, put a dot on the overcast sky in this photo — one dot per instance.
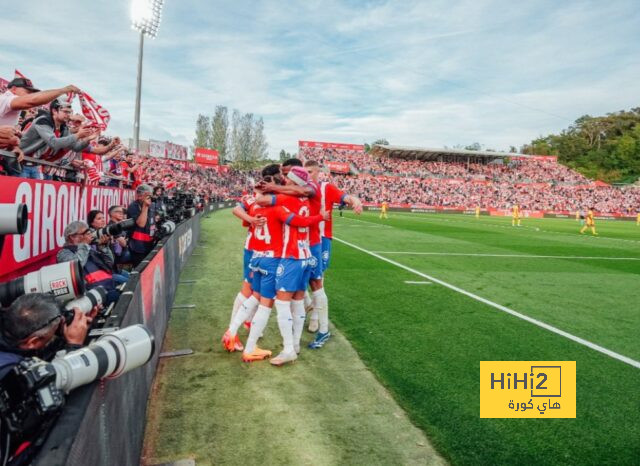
[414, 72]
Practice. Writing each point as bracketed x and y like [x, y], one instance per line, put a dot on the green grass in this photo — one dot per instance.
[425, 342]
[327, 409]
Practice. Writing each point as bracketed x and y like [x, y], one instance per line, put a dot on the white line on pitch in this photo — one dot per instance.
[408, 282]
[527, 256]
[500, 307]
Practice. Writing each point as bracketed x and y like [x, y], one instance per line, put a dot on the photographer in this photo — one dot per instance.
[142, 210]
[49, 139]
[78, 238]
[34, 326]
[103, 245]
[120, 244]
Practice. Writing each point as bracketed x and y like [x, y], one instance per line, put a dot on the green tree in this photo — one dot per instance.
[220, 131]
[203, 132]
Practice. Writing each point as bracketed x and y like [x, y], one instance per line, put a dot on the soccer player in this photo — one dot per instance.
[292, 277]
[330, 194]
[477, 211]
[515, 215]
[638, 219]
[589, 223]
[268, 251]
[244, 298]
[383, 209]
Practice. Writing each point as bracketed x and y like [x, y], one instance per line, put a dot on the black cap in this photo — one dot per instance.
[22, 82]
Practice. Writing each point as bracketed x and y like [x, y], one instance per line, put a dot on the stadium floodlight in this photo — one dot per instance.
[145, 17]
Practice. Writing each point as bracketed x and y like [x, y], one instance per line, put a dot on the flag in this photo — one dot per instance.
[17, 74]
[94, 112]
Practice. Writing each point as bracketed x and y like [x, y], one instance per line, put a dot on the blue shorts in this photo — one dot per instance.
[292, 275]
[246, 271]
[264, 276]
[315, 262]
[326, 253]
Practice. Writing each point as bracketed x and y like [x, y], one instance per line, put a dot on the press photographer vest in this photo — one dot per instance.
[141, 240]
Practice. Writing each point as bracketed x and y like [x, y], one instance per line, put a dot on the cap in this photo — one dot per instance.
[22, 82]
[299, 176]
[144, 188]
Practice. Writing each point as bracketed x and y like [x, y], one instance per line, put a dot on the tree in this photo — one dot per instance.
[220, 131]
[259, 144]
[203, 132]
[235, 136]
[474, 146]
[380, 142]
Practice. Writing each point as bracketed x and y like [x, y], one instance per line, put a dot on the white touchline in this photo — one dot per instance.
[527, 256]
[539, 323]
[408, 282]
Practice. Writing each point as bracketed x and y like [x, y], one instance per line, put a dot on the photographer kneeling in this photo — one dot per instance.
[34, 326]
[78, 238]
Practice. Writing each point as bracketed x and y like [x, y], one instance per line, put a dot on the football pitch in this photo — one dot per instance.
[424, 298]
[421, 300]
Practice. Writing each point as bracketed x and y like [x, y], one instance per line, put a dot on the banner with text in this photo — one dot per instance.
[338, 167]
[206, 157]
[52, 206]
[330, 145]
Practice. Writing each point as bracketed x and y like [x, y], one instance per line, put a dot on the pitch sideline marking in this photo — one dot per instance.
[527, 256]
[409, 282]
[500, 307]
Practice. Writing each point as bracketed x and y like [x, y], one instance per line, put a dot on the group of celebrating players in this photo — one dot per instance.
[287, 251]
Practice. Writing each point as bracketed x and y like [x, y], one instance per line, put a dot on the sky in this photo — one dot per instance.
[417, 73]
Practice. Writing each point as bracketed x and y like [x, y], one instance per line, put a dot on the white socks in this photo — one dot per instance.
[240, 298]
[285, 324]
[244, 311]
[298, 312]
[321, 305]
[258, 325]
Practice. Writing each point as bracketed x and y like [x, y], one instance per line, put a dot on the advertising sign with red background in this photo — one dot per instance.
[537, 158]
[52, 206]
[338, 167]
[206, 157]
[330, 145]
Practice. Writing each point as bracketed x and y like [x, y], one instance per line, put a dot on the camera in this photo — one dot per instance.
[116, 228]
[13, 219]
[86, 303]
[64, 280]
[33, 392]
[164, 227]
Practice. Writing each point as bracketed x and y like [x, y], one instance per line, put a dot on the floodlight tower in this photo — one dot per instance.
[145, 17]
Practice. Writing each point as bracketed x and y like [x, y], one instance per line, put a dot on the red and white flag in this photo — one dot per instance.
[94, 112]
[17, 74]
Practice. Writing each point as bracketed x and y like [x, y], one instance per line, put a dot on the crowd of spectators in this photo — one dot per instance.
[42, 138]
[532, 184]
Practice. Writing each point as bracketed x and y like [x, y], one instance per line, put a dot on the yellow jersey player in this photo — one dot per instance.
[589, 222]
[383, 209]
[577, 215]
[638, 219]
[477, 211]
[515, 215]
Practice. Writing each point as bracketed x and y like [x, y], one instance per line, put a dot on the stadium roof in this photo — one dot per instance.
[425, 153]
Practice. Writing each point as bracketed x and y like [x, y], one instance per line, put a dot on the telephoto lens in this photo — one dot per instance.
[116, 228]
[166, 228]
[110, 356]
[86, 303]
[64, 280]
[13, 219]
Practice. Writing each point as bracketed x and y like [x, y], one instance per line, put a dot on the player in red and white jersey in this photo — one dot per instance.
[294, 270]
[265, 265]
[328, 195]
[244, 298]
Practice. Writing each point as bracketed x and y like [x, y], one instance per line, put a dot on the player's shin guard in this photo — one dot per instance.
[285, 324]
[299, 314]
[240, 298]
[246, 309]
[321, 304]
[258, 325]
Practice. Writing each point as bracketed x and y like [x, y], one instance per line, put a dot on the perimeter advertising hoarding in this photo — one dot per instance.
[52, 206]
[337, 167]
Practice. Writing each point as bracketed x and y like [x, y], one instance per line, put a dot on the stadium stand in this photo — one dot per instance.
[466, 179]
